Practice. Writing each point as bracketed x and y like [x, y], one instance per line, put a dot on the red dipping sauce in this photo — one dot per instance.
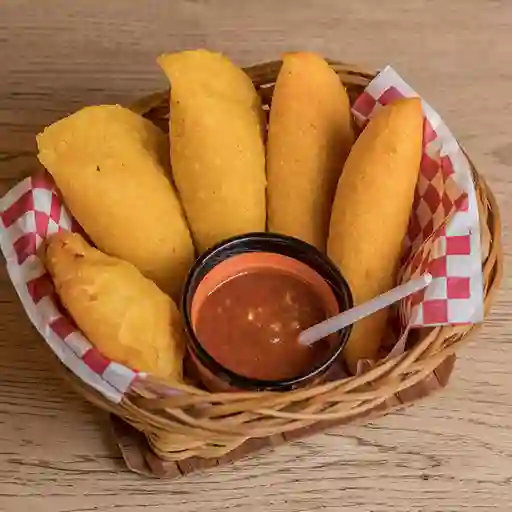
[248, 311]
[250, 324]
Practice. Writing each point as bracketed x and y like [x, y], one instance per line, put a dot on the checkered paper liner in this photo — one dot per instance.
[30, 212]
[443, 237]
[33, 209]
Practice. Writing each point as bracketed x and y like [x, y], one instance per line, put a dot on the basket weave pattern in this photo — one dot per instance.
[197, 423]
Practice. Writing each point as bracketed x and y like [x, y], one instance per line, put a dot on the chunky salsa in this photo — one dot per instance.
[250, 324]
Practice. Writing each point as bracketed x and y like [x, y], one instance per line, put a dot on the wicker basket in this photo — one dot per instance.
[196, 425]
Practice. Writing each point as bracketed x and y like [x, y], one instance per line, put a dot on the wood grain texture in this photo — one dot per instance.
[451, 453]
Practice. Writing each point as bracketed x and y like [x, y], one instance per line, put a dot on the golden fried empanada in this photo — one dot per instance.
[110, 165]
[371, 213]
[217, 150]
[309, 137]
[122, 313]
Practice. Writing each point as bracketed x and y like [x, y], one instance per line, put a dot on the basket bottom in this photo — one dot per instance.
[140, 457]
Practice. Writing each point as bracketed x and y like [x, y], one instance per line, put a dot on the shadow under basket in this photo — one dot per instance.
[196, 429]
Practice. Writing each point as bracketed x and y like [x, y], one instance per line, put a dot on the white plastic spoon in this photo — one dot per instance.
[350, 316]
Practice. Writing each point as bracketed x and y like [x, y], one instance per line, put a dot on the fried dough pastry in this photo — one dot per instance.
[121, 312]
[217, 150]
[110, 165]
[371, 212]
[309, 137]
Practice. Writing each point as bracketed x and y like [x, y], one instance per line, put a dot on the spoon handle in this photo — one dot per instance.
[346, 318]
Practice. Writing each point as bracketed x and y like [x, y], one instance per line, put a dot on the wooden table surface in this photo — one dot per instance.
[451, 453]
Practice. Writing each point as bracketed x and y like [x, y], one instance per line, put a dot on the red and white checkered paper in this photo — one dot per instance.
[33, 209]
[29, 212]
[444, 231]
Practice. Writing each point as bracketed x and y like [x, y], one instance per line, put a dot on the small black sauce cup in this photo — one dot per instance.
[215, 376]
